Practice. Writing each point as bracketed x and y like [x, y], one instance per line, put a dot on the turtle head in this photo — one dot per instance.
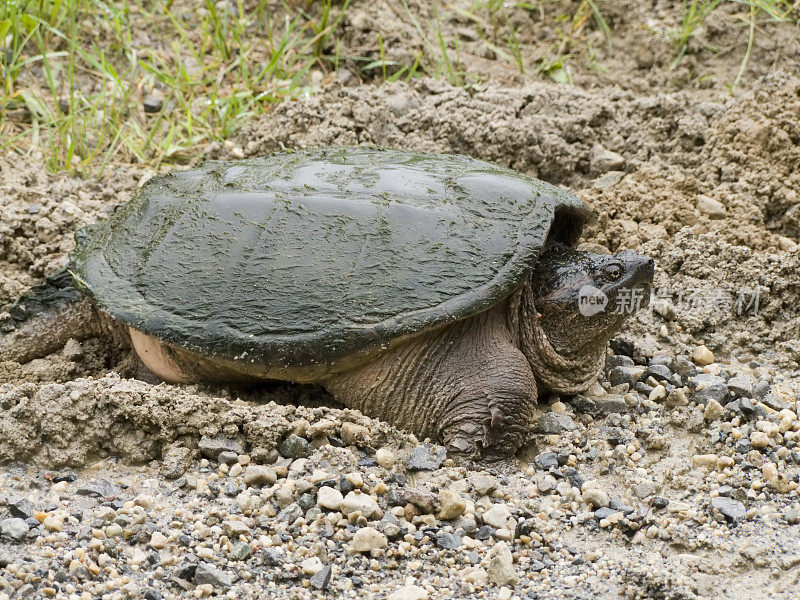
[584, 298]
[576, 302]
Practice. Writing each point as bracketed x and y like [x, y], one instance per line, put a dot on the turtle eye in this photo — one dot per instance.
[613, 272]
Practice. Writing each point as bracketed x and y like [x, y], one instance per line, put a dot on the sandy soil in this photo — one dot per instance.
[704, 182]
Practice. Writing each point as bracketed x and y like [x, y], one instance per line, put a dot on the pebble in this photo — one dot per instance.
[483, 484]
[713, 209]
[702, 356]
[741, 386]
[367, 539]
[152, 104]
[209, 574]
[451, 505]
[357, 501]
[497, 516]
[759, 439]
[259, 475]
[501, 569]
[322, 578]
[330, 498]
[295, 446]
[732, 510]
[555, 423]
[211, 447]
[385, 458]
[14, 529]
[409, 592]
[426, 457]
[713, 411]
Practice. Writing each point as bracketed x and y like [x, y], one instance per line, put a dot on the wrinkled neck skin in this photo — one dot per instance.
[557, 367]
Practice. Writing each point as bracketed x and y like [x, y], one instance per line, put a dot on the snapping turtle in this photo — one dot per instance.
[438, 292]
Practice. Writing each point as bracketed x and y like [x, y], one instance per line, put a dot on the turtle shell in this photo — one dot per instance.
[303, 258]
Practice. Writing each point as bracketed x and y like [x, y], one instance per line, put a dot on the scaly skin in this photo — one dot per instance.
[467, 384]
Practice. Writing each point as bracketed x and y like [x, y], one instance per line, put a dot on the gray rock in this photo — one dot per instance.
[659, 372]
[211, 447]
[741, 386]
[321, 579]
[761, 389]
[13, 529]
[296, 447]
[629, 375]
[241, 551]
[290, 514]
[618, 360]
[546, 460]
[98, 488]
[448, 541]
[227, 457]
[774, 401]
[732, 510]
[152, 104]
[718, 392]
[606, 405]
[19, 507]
[426, 457]
[552, 423]
[206, 573]
[792, 516]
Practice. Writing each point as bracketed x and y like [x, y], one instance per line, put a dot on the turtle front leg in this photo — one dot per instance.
[466, 385]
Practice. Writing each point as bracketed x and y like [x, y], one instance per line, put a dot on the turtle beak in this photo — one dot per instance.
[639, 272]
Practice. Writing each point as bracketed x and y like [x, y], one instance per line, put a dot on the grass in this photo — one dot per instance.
[75, 73]
[86, 84]
[697, 11]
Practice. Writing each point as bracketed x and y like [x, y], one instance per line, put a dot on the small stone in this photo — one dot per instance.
[19, 507]
[610, 404]
[792, 516]
[409, 592]
[422, 499]
[759, 439]
[592, 494]
[290, 514]
[152, 104]
[311, 566]
[741, 386]
[240, 551]
[708, 461]
[497, 516]
[209, 574]
[98, 488]
[770, 473]
[451, 505]
[501, 567]
[603, 160]
[295, 447]
[355, 435]
[555, 423]
[426, 457]
[657, 394]
[211, 447]
[732, 510]
[385, 458]
[227, 457]
[448, 541]
[13, 529]
[330, 498]
[713, 209]
[702, 356]
[53, 523]
[158, 540]
[625, 374]
[357, 501]
[322, 578]
[714, 410]
[717, 392]
[546, 460]
[483, 484]
[367, 539]
[258, 475]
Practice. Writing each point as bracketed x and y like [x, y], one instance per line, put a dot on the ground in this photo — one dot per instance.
[675, 477]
